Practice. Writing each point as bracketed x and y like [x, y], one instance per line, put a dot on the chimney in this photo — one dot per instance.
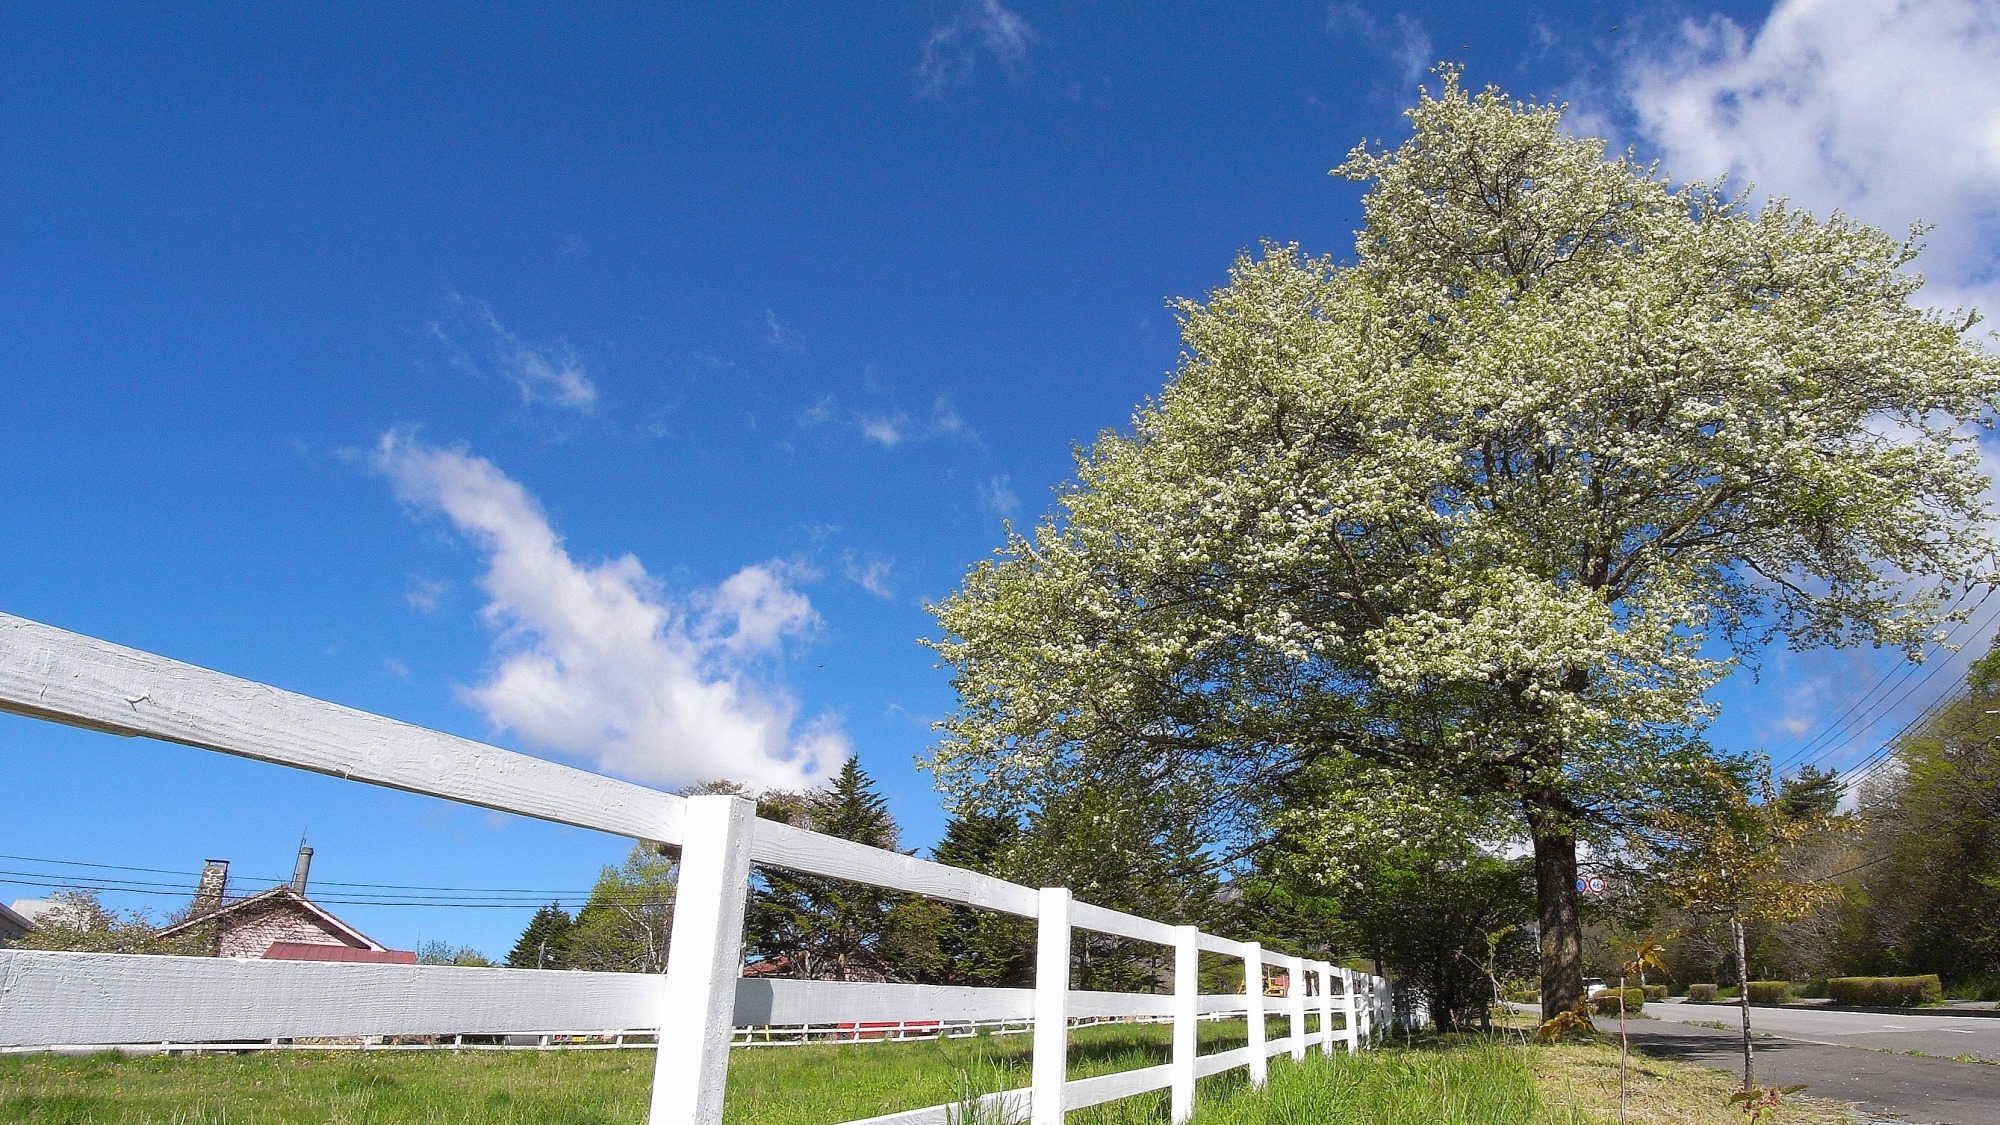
[214, 884]
[299, 872]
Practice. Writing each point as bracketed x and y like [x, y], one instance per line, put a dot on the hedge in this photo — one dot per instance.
[1605, 1001]
[1701, 993]
[1769, 992]
[1655, 991]
[1886, 991]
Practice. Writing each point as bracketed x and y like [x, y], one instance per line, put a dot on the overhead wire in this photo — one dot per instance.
[1878, 696]
[1827, 752]
[347, 893]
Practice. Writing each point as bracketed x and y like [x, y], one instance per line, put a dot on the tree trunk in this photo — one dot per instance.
[1556, 902]
[1743, 994]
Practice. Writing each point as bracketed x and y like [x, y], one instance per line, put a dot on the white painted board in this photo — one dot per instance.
[48, 673]
[52, 998]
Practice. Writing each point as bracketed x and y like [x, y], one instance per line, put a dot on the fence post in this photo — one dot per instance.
[1295, 1004]
[1051, 1056]
[1327, 974]
[1351, 1008]
[1253, 1010]
[703, 962]
[1187, 1010]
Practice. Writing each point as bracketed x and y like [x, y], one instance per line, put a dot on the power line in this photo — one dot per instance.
[1827, 753]
[190, 877]
[1886, 707]
[1879, 692]
[339, 900]
[1903, 671]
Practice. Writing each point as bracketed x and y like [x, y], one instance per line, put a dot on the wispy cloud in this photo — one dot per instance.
[781, 336]
[996, 493]
[871, 574]
[1888, 110]
[977, 32]
[549, 375]
[878, 418]
[1404, 40]
[426, 595]
[598, 661]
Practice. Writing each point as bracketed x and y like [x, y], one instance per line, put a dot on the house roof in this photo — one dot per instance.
[306, 951]
[281, 895]
[15, 920]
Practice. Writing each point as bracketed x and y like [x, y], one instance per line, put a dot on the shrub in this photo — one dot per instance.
[1984, 986]
[1605, 1002]
[1701, 993]
[1655, 991]
[1886, 991]
[1769, 992]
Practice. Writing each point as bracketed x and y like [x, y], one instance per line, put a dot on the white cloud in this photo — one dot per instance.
[980, 29]
[870, 574]
[1888, 110]
[781, 336]
[1405, 40]
[396, 668]
[883, 428]
[885, 423]
[997, 494]
[426, 595]
[598, 662]
[550, 375]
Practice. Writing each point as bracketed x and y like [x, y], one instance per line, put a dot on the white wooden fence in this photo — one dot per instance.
[50, 999]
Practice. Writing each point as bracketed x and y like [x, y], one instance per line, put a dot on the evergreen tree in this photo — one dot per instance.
[832, 928]
[545, 943]
[983, 947]
[1811, 792]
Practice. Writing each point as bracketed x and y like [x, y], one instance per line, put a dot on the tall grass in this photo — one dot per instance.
[1479, 1083]
[1472, 1083]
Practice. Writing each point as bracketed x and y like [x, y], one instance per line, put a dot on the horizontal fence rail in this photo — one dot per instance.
[57, 999]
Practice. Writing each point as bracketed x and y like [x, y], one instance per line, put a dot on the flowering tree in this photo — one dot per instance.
[1457, 536]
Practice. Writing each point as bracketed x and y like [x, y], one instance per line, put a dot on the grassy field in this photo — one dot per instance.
[1463, 1083]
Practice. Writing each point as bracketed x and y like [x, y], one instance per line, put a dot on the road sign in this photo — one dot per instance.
[1592, 885]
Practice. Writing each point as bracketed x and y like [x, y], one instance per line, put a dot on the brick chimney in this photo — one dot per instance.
[214, 885]
[299, 870]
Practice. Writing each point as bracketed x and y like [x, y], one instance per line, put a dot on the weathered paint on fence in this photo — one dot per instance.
[52, 998]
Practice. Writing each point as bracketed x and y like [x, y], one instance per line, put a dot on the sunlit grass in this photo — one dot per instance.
[1460, 1082]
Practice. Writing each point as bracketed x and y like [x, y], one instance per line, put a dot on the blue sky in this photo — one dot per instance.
[619, 387]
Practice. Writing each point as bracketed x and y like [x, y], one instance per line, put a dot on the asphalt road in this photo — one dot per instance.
[1848, 1055]
[1944, 1036]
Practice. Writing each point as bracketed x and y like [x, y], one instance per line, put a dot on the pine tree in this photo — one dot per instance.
[832, 928]
[983, 947]
[545, 943]
[1811, 792]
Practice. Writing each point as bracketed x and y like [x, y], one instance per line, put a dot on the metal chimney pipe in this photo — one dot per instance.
[299, 872]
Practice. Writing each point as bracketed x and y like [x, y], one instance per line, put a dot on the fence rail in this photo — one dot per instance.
[50, 999]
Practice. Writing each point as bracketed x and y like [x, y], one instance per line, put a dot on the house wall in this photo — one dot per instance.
[251, 933]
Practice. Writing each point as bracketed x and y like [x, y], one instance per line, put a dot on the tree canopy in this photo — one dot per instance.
[1457, 535]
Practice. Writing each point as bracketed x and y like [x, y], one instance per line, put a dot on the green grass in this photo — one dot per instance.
[1474, 1082]
[809, 1085]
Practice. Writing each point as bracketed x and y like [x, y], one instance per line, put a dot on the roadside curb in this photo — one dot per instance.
[1866, 1009]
